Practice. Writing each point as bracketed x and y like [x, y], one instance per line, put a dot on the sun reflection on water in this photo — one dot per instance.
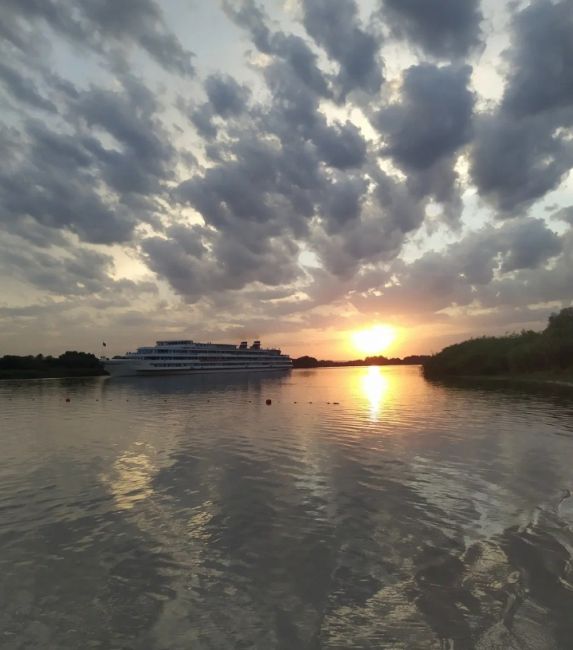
[375, 387]
[131, 478]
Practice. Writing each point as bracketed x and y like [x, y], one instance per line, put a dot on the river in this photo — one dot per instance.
[363, 508]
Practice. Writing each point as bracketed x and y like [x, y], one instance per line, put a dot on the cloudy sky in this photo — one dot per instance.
[290, 170]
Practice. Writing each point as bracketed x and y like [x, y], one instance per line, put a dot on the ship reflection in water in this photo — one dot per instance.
[362, 508]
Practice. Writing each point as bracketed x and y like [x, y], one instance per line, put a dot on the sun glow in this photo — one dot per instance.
[374, 340]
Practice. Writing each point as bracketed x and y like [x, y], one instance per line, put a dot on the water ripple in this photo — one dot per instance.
[365, 508]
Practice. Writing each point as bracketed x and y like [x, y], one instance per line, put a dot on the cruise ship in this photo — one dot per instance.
[185, 357]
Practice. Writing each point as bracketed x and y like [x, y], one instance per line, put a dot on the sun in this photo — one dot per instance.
[374, 340]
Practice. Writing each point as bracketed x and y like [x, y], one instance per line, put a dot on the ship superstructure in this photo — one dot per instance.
[185, 356]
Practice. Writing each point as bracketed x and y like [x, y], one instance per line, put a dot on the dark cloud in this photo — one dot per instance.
[340, 145]
[303, 61]
[522, 149]
[443, 28]
[226, 96]
[368, 226]
[78, 272]
[23, 89]
[66, 178]
[433, 118]
[402, 210]
[517, 161]
[427, 127]
[99, 23]
[343, 202]
[195, 270]
[202, 119]
[145, 152]
[226, 99]
[529, 245]
[52, 184]
[335, 26]
[476, 268]
[564, 214]
[540, 71]
[248, 15]
[290, 48]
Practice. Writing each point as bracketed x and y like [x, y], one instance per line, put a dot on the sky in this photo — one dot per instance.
[285, 170]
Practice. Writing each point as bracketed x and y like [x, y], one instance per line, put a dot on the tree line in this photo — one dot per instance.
[68, 364]
[527, 352]
[312, 362]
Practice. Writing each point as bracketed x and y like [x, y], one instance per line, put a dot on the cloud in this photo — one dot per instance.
[226, 96]
[474, 270]
[145, 152]
[529, 244]
[425, 129]
[340, 145]
[291, 49]
[102, 24]
[64, 177]
[522, 149]
[321, 159]
[335, 26]
[52, 183]
[564, 214]
[432, 119]
[442, 28]
[540, 71]
[515, 162]
[24, 90]
[57, 271]
[197, 262]
[226, 99]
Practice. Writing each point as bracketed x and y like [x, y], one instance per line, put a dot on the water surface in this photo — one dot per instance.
[364, 508]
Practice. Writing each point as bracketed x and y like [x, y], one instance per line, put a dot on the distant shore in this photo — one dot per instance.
[307, 362]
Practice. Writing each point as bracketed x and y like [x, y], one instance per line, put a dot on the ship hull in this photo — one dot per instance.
[129, 369]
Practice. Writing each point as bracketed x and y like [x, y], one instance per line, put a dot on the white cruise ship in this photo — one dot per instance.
[184, 357]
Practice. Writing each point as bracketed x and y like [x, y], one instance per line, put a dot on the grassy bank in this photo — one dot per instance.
[539, 356]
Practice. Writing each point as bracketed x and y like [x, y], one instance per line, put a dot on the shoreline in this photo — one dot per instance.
[29, 376]
[523, 379]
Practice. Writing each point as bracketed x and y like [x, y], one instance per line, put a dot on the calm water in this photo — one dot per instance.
[365, 508]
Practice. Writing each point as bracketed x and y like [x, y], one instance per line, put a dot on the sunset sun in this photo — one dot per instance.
[374, 340]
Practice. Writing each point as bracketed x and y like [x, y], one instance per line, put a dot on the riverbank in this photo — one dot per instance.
[545, 356]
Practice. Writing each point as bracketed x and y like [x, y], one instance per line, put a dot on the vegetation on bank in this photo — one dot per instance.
[69, 364]
[311, 362]
[545, 354]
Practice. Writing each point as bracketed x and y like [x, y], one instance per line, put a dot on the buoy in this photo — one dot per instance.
[269, 402]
